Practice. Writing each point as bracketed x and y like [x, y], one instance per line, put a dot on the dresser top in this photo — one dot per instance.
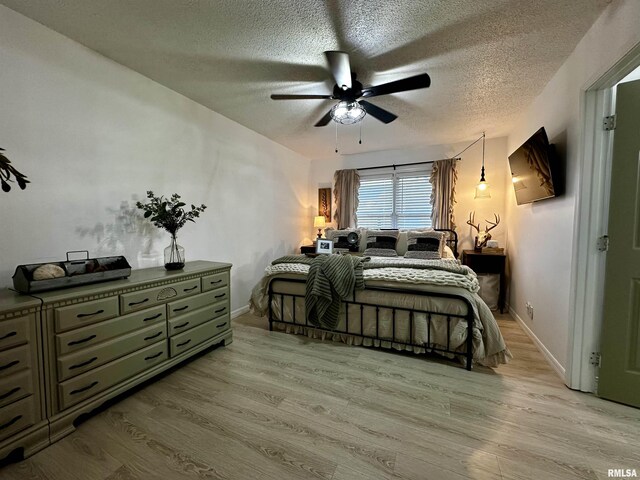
[10, 300]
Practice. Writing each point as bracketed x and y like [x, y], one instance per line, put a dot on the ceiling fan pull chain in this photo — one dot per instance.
[336, 136]
[360, 141]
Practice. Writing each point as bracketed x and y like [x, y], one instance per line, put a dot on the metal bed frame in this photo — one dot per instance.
[468, 316]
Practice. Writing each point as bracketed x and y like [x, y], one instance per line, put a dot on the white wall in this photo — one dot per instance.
[93, 136]
[496, 167]
[541, 235]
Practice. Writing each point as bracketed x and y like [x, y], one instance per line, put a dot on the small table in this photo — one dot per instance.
[308, 248]
[481, 262]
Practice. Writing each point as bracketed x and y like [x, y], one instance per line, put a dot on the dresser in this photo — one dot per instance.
[97, 341]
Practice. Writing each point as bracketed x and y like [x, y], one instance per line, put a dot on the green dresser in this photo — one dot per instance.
[85, 345]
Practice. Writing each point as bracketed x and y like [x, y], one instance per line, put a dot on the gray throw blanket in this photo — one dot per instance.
[331, 279]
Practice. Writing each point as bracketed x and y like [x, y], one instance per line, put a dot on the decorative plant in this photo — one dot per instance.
[170, 214]
[7, 170]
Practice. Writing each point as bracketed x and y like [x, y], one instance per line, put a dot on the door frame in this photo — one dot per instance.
[592, 214]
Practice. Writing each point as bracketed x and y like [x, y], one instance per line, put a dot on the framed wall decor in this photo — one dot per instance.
[324, 203]
[324, 246]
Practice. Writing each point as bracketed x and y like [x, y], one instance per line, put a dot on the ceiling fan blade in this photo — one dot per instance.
[340, 67]
[381, 114]
[324, 120]
[300, 97]
[410, 83]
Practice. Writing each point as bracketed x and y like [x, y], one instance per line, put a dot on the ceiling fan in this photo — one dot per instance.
[348, 90]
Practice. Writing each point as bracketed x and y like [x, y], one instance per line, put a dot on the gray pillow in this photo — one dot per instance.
[425, 244]
[382, 243]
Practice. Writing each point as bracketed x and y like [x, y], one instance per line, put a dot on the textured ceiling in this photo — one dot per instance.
[487, 59]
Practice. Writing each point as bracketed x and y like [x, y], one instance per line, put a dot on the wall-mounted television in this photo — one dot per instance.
[533, 169]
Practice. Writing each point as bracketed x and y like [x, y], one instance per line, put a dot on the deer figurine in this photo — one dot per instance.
[483, 237]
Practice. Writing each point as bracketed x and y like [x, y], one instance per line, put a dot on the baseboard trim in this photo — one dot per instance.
[240, 311]
[551, 360]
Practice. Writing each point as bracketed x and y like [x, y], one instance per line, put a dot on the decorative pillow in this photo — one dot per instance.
[425, 244]
[340, 239]
[382, 243]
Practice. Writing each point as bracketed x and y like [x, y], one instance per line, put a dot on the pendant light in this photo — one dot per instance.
[482, 189]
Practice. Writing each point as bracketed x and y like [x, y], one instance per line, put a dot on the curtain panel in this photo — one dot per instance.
[345, 192]
[443, 180]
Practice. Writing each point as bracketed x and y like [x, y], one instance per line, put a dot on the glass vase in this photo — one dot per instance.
[174, 255]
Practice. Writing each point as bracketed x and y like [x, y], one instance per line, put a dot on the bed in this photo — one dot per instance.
[420, 306]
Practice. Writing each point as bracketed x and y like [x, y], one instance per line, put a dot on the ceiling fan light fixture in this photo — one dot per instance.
[347, 113]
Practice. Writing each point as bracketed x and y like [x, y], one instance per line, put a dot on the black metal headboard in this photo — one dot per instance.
[451, 239]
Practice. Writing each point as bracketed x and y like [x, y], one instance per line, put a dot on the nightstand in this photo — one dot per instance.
[481, 262]
[308, 248]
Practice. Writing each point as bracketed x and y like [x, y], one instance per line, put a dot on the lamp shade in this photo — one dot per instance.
[482, 190]
[319, 221]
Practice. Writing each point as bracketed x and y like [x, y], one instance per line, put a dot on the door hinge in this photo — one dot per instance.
[603, 243]
[595, 359]
[609, 122]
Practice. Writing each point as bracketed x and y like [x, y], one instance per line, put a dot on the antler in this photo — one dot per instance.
[472, 216]
[493, 225]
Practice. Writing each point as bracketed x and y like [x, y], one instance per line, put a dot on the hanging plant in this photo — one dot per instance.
[7, 170]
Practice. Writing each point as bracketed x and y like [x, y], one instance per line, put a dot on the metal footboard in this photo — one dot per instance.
[468, 316]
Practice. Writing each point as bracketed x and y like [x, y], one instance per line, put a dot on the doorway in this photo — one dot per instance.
[589, 261]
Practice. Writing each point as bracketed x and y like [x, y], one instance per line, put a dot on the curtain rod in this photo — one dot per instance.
[404, 164]
[455, 157]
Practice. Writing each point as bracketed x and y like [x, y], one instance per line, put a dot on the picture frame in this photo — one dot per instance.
[324, 246]
[324, 203]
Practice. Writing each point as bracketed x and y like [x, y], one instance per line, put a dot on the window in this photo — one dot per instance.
[400, 199]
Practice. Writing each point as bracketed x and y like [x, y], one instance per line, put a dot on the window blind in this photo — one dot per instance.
[395, 200]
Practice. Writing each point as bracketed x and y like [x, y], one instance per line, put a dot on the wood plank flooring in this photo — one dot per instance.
[275, 406]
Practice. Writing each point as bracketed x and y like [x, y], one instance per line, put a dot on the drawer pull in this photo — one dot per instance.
[10, 334]
[151, 357]
[222, 325]
[182, 325]
[220, 310]
[81, 315]
[152, 318]
[183, 343]
[181, 308]
[189, 289]
[131, 304]
[83, 364]
[153, 336]
[213, 282]
[9, 365]
[78, 342]
[10, 422]
[84, 389]
[221, 295]
[9, 393]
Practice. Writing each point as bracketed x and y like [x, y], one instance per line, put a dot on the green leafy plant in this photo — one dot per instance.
[169, 213]
[7, 170]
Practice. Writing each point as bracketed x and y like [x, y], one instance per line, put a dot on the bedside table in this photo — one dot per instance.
[481, 262]
[308, 248]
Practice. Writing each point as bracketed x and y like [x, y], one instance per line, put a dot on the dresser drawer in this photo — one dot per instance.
[217, 280]
[197, 317]
[15, 387]
[17, 416]
[93, 334]
[74, 316]
[131, 302]
[15, 360]
[14, 332]
[187, 305]
[195, 336]
[97, 380]
[89, 358]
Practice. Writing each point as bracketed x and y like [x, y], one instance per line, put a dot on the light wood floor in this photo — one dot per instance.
[274, 406]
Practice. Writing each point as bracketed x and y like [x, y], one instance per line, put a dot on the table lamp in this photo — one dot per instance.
[319, 223]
